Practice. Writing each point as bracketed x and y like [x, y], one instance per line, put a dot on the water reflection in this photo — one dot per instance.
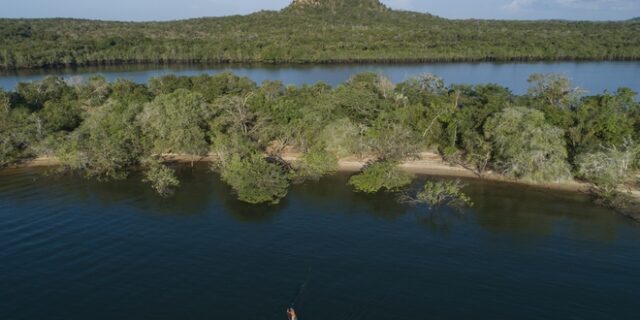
[500, 208]
[334, 191]
[538, 212]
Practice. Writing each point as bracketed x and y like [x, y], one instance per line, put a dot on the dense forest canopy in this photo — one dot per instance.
[307, 31]
[105, 130]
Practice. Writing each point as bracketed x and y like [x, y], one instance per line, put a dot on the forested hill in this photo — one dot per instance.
[322, 31]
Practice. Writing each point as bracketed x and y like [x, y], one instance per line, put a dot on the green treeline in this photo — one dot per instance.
[355, 32]
[105, 130]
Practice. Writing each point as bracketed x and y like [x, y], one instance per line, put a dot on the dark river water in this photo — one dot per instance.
[594, 77]
[76, 249]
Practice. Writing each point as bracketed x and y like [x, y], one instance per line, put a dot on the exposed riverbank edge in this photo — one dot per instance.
[309, 62]
[426, 163]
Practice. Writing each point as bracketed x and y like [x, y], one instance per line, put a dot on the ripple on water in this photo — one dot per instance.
[76, 249]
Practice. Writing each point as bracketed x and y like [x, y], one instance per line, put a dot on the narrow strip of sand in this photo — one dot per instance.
[426, 163]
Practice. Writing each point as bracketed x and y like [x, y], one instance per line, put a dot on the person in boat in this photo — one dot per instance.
[292, 314]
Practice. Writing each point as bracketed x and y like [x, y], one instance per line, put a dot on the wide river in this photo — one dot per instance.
[594, 77]
[75, 249]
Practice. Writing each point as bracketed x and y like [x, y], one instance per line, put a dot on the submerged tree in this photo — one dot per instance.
[436, 194]
[254, 179]
[162, 178]
[381, 175]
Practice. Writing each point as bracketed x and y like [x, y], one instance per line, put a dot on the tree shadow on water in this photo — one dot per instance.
[238, 210]
[333, 195]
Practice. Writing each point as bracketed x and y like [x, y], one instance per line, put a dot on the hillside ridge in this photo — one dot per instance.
[311, 31]
[371, 5]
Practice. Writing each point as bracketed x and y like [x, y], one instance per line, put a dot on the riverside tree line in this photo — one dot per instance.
[106, 130]
[332, 31]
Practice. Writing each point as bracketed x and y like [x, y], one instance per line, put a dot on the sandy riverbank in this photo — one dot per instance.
[427, 163]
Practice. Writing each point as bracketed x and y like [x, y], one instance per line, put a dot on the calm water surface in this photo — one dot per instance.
[75, 249]
[595, 77]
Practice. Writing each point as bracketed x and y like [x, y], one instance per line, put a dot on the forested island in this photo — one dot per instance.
[311, 31]
[106, 130]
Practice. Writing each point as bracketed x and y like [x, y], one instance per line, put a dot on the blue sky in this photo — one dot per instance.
[138, 10]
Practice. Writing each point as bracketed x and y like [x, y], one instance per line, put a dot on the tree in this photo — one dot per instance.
[342, 137]
[381, 175]
[609, 167]
[176, 123]
[526, 147]
[5, 101]
[222, 84]
[18, 132]
[373, 82]
[440, 193]
[391, 140]
[236, 115]
[8, 147]
[360, 103]
[106, 145]
[162, 178]
[422, 89]
[60, 116]
[168, 84]
[225, 146]
[601, 120]
[95, 92]
[553, 89]
[33, 95]
[255, 180]
[477, 153]
[314, 164]
[129, 92]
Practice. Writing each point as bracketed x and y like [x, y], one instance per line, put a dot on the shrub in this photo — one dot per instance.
[382, 175]
[255, 180]
[162, 178]
[315, 164]
[526, 147]
[443, 193]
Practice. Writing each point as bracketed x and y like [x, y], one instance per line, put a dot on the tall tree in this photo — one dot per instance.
[526, 147]
[176, 123]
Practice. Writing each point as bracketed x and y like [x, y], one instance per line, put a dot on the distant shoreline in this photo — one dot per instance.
[324, 62]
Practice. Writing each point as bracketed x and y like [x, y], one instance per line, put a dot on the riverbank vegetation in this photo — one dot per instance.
[336, 31]
[104, 130]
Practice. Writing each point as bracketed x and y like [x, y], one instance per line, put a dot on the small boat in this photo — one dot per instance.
[291, 314]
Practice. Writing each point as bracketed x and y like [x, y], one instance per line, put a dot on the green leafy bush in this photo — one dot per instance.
[255, 180]
[443, 193]
[314, 164]
[526, 147]
[162, 178]
[382, 175]
[609, 169]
